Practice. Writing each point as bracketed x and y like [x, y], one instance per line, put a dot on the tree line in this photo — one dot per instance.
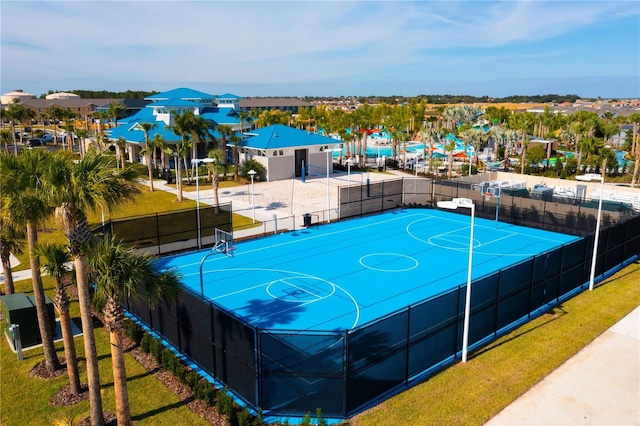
[451, 99]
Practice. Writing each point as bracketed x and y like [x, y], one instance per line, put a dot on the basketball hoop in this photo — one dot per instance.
[487, 196]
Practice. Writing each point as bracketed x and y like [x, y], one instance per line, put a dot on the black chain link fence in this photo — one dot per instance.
[291, 373]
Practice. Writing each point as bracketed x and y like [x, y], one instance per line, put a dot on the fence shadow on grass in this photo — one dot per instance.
[555, 313]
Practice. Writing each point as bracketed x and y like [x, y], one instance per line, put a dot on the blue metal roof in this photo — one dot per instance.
[134, 134]
[173, 102]
[177, 98]
[220, 115]
[281, 136]
[181, 93]
[228, 96]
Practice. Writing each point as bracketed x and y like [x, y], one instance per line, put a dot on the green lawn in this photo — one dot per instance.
[496, 375]
[25, 400]
[146, 203]
[467, 394]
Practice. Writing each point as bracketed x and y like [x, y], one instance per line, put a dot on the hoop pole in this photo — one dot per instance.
[201, 280]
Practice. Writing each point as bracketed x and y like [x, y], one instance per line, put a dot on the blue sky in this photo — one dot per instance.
[324, 48]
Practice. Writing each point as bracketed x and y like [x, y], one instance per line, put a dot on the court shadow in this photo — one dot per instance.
[267, 314]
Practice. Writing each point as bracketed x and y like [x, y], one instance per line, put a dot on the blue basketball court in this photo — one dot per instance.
[342, 275]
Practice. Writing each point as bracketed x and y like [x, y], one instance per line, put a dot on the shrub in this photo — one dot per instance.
[145, 343]
[306, 420]
[225, 403]
[156, 350]
[246, 419]
[191, 379]
[134, 331]
[169, 360]
[254, 165]
[321, 421]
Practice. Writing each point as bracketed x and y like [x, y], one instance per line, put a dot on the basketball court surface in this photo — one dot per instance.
[342, 275]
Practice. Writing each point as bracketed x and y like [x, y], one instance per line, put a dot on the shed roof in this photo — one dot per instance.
[280, 136]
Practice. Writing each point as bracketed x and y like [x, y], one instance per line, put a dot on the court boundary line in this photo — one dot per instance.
[284, 271]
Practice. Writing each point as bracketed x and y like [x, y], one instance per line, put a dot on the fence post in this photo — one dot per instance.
[347, 373]
[158, 233]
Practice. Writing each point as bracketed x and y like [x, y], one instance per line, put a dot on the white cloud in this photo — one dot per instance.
[279, 42]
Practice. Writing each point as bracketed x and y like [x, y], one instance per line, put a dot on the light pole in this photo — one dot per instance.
[197, 162]
[349, 162]
[175, 166]
[468, 204]
[587, 178]
[252, 173]
[329, 166]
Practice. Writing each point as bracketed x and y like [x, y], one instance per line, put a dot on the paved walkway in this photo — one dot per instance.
[600, 385]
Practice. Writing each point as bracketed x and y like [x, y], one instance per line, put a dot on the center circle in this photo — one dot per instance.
[388, 262]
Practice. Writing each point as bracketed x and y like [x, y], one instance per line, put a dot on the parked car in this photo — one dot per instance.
[62, 137]
[47, 138]
[34, 142]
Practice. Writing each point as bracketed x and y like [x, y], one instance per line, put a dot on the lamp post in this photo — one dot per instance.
[329, 164]
[252, 173]
[349, 162]
[175, 166]
[197, 162]
[587, 178]
[468, 204]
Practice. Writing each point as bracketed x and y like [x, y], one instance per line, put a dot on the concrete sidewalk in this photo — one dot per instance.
[600, 385]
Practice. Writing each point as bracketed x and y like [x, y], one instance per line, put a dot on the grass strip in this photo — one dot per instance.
[25, 400]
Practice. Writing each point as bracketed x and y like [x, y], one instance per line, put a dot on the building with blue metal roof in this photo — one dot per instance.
[161, 110]
[285, 152]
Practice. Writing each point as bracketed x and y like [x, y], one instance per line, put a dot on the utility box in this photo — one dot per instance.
[21, 309]
[541, 192]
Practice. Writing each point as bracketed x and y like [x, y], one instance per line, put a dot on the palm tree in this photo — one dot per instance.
[149, 150]
[115, 111]
[225, 131]
[11, 242]
[69, 128]
[15, 112]
[479, 140]
[5, 136]
[56, 264]
[56, 114]
[214, 168]
[182, 150]
[24, 203]
[244, 117]
[182, 126]
[634, 119]
[449, 146]
[162, 145]
[235, 140]
[467, 136]
[119, 273]
[75, 188]
[82, 134]
[121, 146]
[522, 122]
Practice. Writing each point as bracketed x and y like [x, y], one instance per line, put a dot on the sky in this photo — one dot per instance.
[324, 48]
